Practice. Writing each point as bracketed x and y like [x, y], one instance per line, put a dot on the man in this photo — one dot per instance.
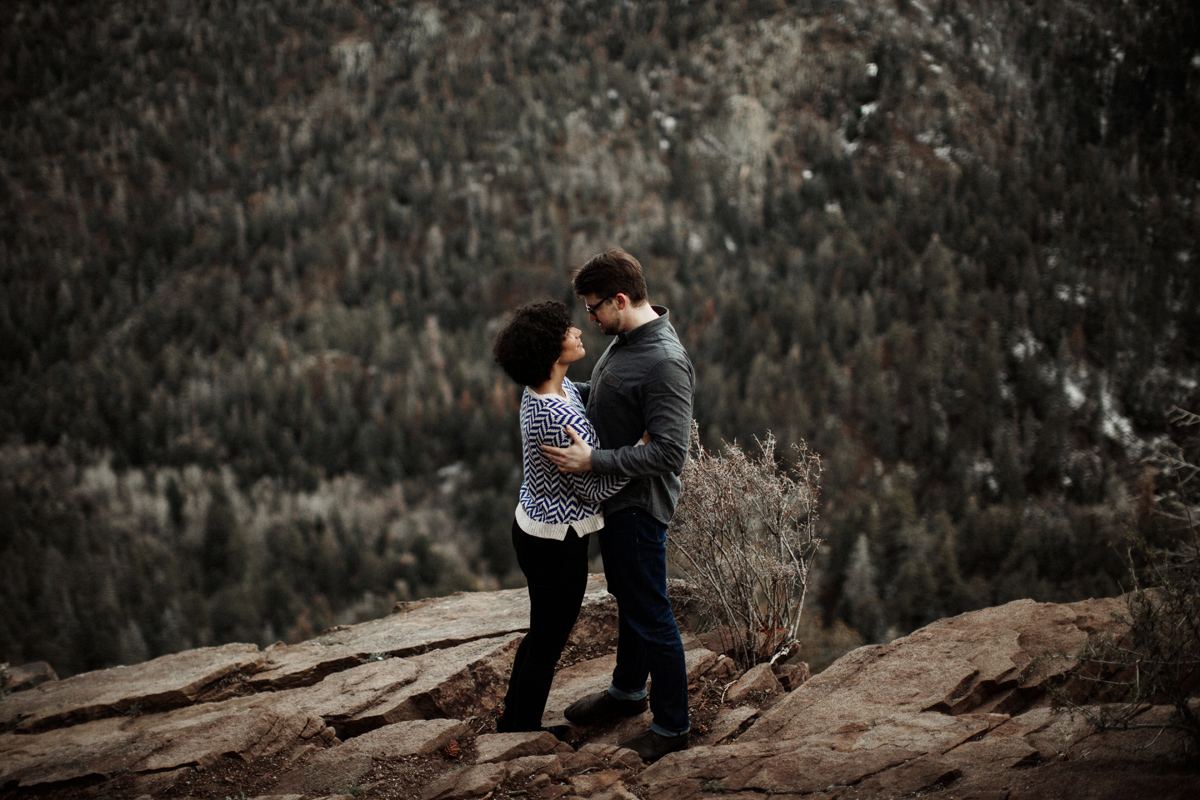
[643, 383]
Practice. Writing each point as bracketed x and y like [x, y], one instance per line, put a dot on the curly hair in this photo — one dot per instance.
[532, 341]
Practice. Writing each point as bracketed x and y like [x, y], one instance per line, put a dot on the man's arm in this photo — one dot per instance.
[577, 457]
[667, 408]
[584, 483]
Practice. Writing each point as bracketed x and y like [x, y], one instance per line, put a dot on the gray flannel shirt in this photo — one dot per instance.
[643, 382]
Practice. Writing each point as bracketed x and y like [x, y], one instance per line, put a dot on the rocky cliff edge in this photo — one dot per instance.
[405, 707]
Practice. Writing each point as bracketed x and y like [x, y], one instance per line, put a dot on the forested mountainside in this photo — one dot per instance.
[253, 254]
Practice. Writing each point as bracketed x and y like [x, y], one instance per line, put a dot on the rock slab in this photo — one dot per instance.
[959, 708]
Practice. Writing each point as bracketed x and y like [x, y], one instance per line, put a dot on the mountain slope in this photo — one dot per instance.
[256, 251]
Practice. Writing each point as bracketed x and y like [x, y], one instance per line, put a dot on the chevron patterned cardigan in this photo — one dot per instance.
[553, 501]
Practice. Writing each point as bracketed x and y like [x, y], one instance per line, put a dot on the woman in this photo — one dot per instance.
[557, 510]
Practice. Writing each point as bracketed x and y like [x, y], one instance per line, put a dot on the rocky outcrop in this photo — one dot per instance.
[168, 682]
[405, 706]
[960, 706]
[26, 676]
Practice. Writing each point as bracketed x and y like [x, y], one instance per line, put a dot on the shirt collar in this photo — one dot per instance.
[548, 397]
[646, 328]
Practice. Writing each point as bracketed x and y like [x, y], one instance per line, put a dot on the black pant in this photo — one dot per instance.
[557, 576]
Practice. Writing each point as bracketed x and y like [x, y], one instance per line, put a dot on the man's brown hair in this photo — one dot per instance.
[611, 272]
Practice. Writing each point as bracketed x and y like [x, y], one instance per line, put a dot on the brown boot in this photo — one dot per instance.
[652, 746]
[603, 707]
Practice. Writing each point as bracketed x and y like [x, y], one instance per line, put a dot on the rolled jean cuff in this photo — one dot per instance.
[661, 731]
[620, 695]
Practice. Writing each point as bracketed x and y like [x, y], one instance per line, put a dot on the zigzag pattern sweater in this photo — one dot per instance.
[553, 501]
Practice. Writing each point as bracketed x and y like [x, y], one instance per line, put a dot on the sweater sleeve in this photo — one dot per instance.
[596, 486]
[584, 388]
[592, 486]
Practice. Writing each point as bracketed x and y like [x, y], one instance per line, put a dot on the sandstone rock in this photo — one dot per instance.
[719, 640]
[166, 682]
[709, 763]
[759, 681]
[249, 727]
[981, 661]
[447, 683]
[919, 732]
[922, 774]
[28, 676]
[413, 629]
[915, 776]
[328, 771]
[537, 780]
[728, 721]
[456, 682]
[930, 710]
[702, 662]
[1070, 737]
[438, 623]
[956, 709]
[595, 755]
[555, 791]
[413, 738]
[549, 766]
[792, 676]
[420, 627]
[492, 747]
[1052, 734]
[775, 768]
[1100, 779]
[343, 695]
[347, 764]
[151, 784]
[574, 682]
[472, 781]
[615, 792]
[710, 666]
[304, 664]
[591, 782]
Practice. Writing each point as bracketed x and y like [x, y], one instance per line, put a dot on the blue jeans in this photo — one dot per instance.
[634, 547]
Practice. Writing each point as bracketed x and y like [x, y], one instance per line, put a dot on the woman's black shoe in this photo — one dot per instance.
[561, 732]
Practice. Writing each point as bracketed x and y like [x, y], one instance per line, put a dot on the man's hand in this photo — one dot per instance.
[576, 458]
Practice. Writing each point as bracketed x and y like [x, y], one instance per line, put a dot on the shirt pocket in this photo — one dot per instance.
[612, 380]
[620, 389]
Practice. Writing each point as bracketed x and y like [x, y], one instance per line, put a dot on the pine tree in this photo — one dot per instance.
[860, 595]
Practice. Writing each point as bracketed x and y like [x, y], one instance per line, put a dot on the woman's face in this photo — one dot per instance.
[572, 348]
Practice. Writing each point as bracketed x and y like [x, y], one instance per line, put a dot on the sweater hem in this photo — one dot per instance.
[558, 531]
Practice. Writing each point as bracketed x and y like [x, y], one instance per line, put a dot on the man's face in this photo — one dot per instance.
[606, 311]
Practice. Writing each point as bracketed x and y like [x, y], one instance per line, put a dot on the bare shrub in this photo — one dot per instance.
[1157, 662]
[744, 534]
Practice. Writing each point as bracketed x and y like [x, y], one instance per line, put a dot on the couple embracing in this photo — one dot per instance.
[600, 458]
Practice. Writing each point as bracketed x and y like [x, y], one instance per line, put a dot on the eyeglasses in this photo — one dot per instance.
[592, 309]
